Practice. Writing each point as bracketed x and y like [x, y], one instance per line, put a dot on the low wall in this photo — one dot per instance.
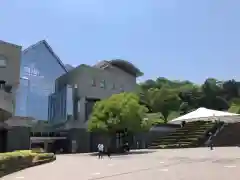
[160, 131]
[18, 138]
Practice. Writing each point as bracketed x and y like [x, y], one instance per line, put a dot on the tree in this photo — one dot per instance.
[190, 99]
[234, 106]
[164, 101]
[117, 113]
[165, 95]
[231, 89]
[212, 95]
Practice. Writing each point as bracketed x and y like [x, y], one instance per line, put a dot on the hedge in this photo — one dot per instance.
[17, 160]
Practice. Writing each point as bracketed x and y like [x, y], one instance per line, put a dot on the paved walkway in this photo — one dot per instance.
[177, 164]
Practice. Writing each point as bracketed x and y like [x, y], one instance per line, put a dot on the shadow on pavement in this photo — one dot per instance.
[133, 152]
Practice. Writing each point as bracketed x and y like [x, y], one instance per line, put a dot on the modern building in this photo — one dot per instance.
[54, 101]
[10, 55]
[79, 89]
[9, 77]
[39, 69]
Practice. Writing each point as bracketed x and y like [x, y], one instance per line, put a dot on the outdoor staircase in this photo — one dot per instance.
[193, 134]
[228, 136]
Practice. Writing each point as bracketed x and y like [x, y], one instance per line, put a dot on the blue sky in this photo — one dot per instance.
[177, 39]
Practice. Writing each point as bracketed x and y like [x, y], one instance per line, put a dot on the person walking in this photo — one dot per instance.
[100, 150]
[210, 140]
[108, 151]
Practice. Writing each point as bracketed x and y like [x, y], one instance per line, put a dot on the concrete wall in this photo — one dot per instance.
[83, 76]
[82, 138]
[160, 131]
[18, 138]
[7, 101]
[10, 74]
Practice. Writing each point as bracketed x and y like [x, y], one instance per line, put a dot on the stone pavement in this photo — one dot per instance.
[176, 164]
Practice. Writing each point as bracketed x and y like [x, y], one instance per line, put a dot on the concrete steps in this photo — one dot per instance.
[189, 136]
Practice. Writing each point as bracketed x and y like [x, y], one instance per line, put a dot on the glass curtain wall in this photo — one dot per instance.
[57, 106]
[22, 97]
[41, 68]
[61, 105]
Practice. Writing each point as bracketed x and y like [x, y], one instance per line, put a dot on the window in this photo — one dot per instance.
[69, 102]
[35, 72]
[94, 82]
[2, 84]
[102, 84]
[27, 70]
[3, 62]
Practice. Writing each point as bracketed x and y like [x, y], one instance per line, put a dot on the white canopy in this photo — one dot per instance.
[205, 114]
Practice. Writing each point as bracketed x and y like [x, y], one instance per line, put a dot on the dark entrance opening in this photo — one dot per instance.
[37, 145]
[61, 146]
[3, 140]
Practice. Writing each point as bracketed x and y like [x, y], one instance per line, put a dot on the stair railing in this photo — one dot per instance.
[215, 134]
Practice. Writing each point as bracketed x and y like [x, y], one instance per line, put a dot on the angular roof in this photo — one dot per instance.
[4, 42]
[44, 42]
[123, 65]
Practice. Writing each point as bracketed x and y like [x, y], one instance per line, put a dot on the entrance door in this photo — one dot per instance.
[3, 140]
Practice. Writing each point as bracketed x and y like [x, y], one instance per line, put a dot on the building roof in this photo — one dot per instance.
[4, 42]
[69, 67]
[50, 50]
[123, 65]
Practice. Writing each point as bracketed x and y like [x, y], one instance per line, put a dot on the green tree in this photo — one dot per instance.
[118, 113]
[230, 89]
[234, 106]
[212, 98]
[190, 99]
[164, 101]
[164, 95]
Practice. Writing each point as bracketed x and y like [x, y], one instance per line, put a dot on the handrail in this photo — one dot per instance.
[215, 134]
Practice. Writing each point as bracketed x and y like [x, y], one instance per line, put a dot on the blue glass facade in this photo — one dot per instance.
[39, 70]
[61, 105]
[21, 97]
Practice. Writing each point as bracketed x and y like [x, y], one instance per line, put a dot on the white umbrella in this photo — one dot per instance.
[205, 114]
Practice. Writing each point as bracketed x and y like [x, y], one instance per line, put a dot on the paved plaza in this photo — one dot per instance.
[176, 164]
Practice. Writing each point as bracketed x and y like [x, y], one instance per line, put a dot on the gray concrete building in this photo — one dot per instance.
[53, 103]
[77, 91]
[86, 84]
[10, 55]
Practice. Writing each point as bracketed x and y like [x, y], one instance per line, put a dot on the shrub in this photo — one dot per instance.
[17, 160]
[38, 150]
